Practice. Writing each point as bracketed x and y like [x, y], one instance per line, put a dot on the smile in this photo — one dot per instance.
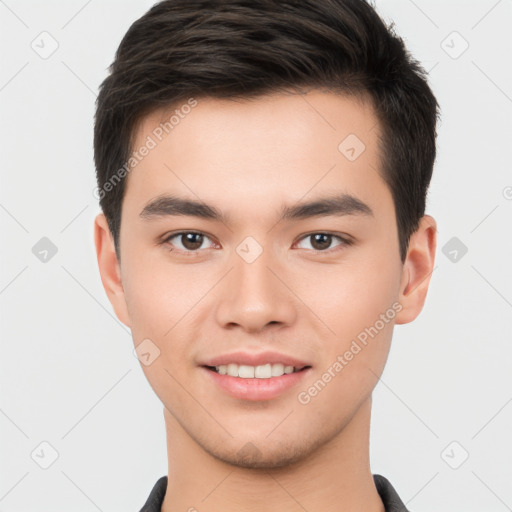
[254, 383]
[264, 371]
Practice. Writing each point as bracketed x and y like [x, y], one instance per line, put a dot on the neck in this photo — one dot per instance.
[336, 477]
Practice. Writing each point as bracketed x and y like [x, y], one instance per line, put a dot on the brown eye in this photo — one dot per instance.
[191, 241]
[322, 242]
[186, 241]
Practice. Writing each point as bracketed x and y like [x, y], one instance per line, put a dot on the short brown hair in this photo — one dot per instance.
[241, 48]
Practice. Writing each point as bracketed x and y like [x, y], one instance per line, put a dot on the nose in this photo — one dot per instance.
[256, 295]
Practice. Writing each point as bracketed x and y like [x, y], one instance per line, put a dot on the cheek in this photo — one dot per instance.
[160, 302]
[348, 298]
[155, 297]
[354, 357]
[163, 300]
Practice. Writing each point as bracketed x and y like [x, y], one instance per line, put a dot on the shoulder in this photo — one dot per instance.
[388, 495]
[156, 496]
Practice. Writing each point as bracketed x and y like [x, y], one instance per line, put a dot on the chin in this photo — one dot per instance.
[264, 454]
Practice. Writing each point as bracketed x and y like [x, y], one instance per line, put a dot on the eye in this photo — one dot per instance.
[320, 242]
[188, 241]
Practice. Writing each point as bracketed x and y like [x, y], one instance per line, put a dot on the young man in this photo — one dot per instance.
[262, 170]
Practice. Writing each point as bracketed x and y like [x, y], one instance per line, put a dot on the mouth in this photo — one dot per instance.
[255, 383]
[264, 371]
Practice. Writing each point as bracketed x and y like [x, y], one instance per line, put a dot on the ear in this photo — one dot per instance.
[110, 270]
[417, 270]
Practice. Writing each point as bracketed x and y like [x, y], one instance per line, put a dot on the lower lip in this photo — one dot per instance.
[256, 389]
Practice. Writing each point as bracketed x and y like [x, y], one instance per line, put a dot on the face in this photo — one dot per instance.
[252, 279]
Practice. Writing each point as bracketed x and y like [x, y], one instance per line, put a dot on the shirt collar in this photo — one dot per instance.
[387, 493]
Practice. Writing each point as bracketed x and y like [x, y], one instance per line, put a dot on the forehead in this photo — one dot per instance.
[250, 152]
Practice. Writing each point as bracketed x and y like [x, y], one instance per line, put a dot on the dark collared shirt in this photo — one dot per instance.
[388, 495]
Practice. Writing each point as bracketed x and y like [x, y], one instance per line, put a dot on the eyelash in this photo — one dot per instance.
[189, 253]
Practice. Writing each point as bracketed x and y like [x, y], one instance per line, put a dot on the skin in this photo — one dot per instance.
[249, 158]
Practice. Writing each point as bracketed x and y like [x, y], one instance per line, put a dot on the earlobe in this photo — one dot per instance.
[417, 270]
[109, 268]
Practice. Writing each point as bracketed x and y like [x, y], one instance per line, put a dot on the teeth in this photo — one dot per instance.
[265, 371]
[246, 372]
[277, 370]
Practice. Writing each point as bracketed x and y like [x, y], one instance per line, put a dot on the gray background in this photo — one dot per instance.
[68, 375]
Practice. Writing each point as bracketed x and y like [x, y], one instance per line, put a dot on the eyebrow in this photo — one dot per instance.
[339, 205]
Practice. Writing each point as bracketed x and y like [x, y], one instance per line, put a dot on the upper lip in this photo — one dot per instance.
[255, 359]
